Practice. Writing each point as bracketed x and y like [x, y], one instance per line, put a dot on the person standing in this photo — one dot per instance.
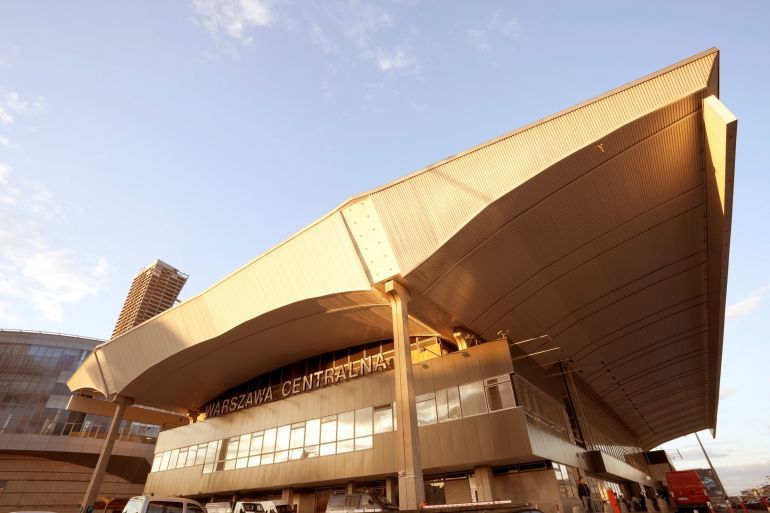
[584, 493]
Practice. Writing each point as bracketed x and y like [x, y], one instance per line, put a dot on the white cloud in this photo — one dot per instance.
[5, 172]
[359, 21]
[232, 18]
[363, 29]
[16, 103]
[746, 305]
[4, 141]
[34, 271]
[396, 60]
[5, 117]
[496, 27]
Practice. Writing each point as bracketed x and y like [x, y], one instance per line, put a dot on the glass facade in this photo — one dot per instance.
[336, 434]
[34, 368]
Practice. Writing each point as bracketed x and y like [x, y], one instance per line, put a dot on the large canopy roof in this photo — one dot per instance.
[605, 226]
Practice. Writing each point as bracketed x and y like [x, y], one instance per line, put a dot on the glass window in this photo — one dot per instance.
[472, 399]
[345, 423]
[241, 462]
[426, 409]
[499, 393]
[297, 438]
[312, 432]
[182, 461]
[191, 455]
[448, 404]
[232, 448]
[329, 429]
[364, 422]
[228, 465]
[243, 445]
[164, 460]
[327, 449]
[156, 462]
[256, 444]
[296, 454]
[253, 461]
[200, 456]
[281, 456]
[164, 507]
[344, 446]
[211, 452]
[383, 419]
[267, 459]
[269, 441]
[172, 460]
[364, 442]
[282, 438]
[311, 451]
[192, 508]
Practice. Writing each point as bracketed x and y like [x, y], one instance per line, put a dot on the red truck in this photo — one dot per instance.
[687, 491]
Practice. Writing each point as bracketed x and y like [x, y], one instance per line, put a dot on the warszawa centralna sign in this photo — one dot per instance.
[313, 381]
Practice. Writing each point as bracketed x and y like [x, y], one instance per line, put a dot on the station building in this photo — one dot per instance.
[545, 306]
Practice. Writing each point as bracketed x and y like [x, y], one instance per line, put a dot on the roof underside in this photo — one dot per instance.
[605, 227]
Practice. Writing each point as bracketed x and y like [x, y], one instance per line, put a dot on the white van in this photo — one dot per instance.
[359, 503]
[152, 504]
[274, 506]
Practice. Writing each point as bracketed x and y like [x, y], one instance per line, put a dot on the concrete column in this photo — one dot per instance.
[287, 494]
[410, 483]
[351, 486]
[390, 489]
[485, 485]
[87, 505]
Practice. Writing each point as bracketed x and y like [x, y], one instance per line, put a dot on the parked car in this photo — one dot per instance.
[274, 506]
[152, 504]
[359, 503]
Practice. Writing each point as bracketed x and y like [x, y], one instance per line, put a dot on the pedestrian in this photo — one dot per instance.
[584, 492]
[637, 504]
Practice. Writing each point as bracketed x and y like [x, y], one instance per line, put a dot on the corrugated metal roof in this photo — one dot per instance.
[594, 226]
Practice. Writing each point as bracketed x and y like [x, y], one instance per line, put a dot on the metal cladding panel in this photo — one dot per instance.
[563, 228]
[423, 211]
[318, 262]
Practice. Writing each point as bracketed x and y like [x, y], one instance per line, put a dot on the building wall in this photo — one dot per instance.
[36, 483]
[491, 437]
[536, 487]
[451, 450]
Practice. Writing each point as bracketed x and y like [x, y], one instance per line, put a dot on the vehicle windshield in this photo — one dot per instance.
[283, 508]
[134, 505]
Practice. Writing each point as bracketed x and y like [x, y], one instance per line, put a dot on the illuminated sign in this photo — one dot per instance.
[313, 381]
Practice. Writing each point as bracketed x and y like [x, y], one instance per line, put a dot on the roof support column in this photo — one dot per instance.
[87, 505]
[410, 483]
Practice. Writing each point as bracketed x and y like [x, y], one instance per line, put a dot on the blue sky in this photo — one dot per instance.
[205, 132]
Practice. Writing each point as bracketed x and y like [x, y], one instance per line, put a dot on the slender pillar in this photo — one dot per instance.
[287, 494]
[351, 486]
[87, 505]
[711, 465]
[485, 483]
[390, 492]
[410, 484]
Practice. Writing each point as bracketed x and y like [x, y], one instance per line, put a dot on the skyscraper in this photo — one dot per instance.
[154, 290]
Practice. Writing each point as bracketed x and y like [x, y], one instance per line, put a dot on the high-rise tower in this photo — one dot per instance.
[154, 290]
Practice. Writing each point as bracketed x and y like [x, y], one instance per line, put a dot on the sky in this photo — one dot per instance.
[205, 132]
